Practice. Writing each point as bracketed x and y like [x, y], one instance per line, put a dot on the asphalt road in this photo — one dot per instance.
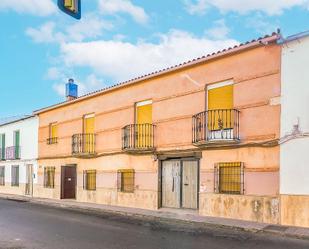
[26, 225]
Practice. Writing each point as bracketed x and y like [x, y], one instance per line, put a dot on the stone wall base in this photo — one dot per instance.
[252, 208]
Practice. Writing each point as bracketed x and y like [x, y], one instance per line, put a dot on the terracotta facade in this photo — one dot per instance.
[176, 96]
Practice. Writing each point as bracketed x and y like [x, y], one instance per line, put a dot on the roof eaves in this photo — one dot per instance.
[16, 120]
[295, 37]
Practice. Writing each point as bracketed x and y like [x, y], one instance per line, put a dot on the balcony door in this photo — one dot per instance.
[88, 136]
[16, 144]
[2, 146]
[143, 129]
[220, 109]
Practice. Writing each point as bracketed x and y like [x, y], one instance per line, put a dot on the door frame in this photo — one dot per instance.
[62, 179]
[181, 159]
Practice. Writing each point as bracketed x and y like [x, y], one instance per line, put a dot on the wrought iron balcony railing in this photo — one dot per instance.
[52, 140]
[138, 137]
[12, 153]
[83, 144]
[220, 125]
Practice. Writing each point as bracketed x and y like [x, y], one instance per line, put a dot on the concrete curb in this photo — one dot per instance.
[194, 225]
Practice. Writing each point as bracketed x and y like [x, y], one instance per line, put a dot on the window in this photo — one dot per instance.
[16, 144]
[15, 176]
[88, 140]
[229, 178]
[220, 105]
[143, 127]
[90, 179]
[2, 176]
[53, 134]
[89, 120]
[49, 177]
[126, 180]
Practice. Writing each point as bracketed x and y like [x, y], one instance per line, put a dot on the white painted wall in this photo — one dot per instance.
[29, 147]
[294, 154]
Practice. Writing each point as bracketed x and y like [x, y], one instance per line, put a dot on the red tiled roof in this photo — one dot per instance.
[261, 40]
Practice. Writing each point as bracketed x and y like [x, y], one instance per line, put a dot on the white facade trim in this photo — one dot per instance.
[220, 84]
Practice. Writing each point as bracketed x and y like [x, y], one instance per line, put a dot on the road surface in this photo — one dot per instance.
[27, 225]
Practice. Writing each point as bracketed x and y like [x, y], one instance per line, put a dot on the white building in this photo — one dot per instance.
[294, 149]
[18, 155]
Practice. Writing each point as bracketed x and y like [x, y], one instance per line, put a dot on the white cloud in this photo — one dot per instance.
[122, 60]
[91, 83]
[89, 27]
[219, 31]
[54, 73]
[59, 88]
[261, 25]
[244, 6]
[123, 6]
[196, 7]
[45, 33]
[34, 7]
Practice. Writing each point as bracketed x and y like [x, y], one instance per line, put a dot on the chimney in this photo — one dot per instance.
[71, 90]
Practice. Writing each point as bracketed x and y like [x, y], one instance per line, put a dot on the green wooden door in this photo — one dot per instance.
[2, 146]
[17, 144]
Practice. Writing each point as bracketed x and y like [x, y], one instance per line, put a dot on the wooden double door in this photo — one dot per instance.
[68, 182]
[180, 184]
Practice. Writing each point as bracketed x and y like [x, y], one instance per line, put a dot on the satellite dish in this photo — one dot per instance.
[71, 7]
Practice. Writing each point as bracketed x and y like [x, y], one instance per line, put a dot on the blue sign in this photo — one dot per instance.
[71, 7]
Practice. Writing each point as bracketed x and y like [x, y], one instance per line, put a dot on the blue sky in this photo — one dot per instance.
[40, 47]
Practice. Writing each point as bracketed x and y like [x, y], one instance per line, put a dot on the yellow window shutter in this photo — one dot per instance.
[53, 130]
[143, 132]
[144, 114]
[220, 98]
[89, 125]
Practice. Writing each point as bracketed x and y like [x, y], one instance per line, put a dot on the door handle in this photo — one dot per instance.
[186, 184]
[173, 187]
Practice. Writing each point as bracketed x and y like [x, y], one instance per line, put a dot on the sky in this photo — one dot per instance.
[116, 40]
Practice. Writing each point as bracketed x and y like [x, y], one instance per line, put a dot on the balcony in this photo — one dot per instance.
[216, 126]
[12, 153]
[138, 138]
[52, 140]
[83, 145]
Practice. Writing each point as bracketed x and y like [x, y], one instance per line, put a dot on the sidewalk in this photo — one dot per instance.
[167, 215]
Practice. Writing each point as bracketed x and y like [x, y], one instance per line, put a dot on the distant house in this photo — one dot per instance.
[294, 157]
[18, 155]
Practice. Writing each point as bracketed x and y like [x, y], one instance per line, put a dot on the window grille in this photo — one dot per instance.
[229, 178]
[2, 176]
[49, 177]
[15, 176]
[125, 180]
[90, 179]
